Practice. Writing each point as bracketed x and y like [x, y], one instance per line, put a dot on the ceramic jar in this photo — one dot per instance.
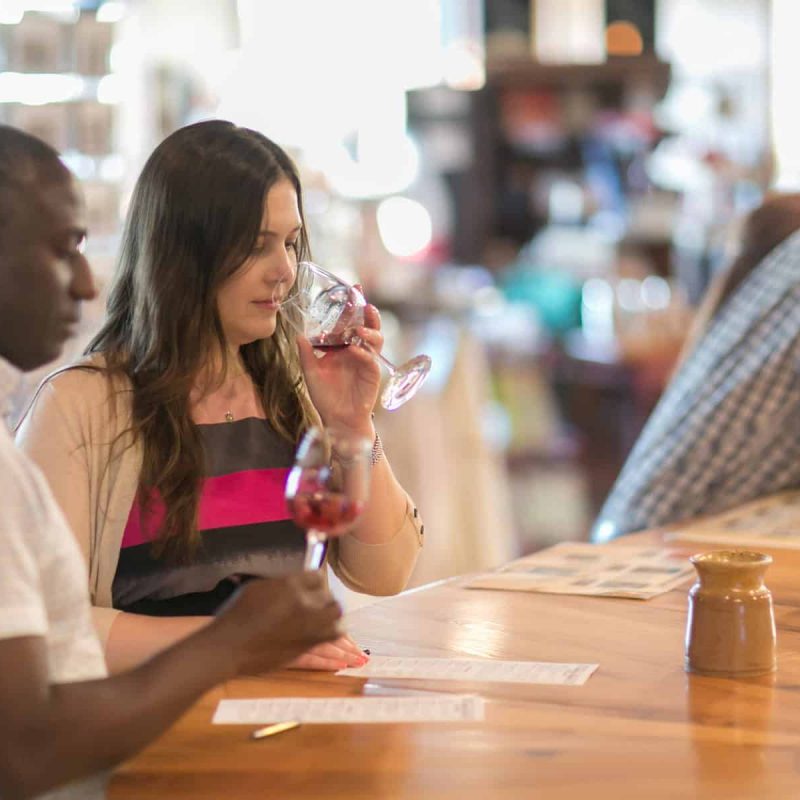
[730, 630]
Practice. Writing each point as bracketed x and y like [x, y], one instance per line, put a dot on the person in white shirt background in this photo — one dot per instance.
[63, 722]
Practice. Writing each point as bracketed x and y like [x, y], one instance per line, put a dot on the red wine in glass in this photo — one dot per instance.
[326, 511]
[316, 506]
[332, 341]
[328, 311]
[327, 488]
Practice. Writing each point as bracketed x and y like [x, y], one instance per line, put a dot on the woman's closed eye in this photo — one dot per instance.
[264, 246]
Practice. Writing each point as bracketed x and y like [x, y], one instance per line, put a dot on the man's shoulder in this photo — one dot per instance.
[18, 476]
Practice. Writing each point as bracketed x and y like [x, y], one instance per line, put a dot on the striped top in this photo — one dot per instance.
[244, 523]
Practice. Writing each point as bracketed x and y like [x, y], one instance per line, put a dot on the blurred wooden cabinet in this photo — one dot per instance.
[540, 139]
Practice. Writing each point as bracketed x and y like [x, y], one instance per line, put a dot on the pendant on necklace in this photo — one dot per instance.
[228, 416]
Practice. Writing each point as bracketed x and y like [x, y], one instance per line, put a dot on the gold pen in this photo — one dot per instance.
[271, 730]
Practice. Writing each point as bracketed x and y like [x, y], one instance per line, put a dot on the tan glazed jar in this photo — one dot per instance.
[730, 630]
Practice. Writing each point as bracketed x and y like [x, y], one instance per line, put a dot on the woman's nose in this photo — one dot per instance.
[287, 271]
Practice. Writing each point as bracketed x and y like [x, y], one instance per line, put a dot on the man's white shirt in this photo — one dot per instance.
[43, 578]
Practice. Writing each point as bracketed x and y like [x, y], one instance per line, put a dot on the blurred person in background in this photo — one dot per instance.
[727, 428]
[64, 722]
[168, 445]
[762, 230]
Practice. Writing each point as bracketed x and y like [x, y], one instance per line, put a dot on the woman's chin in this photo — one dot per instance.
[254, 334]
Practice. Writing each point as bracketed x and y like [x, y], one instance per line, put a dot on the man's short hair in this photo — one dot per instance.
[24, 161]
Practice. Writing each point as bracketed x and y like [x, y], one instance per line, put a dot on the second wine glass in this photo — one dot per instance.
[328, 487]
[327, 311]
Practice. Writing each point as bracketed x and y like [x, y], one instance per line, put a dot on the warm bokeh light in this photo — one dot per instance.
[111, 11]
[568, 31]
[405, 226]
[464, 66]
[623, 39]
[38, 89]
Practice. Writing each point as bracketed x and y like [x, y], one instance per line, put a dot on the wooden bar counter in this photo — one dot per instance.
[639, 728]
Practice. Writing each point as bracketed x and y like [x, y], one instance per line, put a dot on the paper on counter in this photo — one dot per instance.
[770, 522]
[591, 569]
[789, 540]
[473, 669]
[444, 708]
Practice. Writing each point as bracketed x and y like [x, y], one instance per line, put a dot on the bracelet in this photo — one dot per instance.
[375, 456]
[377, 450]
[377, 446]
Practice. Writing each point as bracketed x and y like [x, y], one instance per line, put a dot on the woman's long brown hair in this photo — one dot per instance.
[193, 221]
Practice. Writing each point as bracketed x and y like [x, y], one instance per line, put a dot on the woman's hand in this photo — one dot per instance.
[338, 654]
[344, 383]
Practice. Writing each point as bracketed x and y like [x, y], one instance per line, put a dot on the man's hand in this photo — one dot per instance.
[271, 622]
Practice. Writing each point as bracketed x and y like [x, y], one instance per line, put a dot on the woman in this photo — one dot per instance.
[167, 446]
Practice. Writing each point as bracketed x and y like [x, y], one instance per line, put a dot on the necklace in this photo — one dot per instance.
[229, 414]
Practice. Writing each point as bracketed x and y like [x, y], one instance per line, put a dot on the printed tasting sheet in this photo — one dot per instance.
[426, 708]
[473, 669]
[771, 522]
[408, 705]
[591, 569]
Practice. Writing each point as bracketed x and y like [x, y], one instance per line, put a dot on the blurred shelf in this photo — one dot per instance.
[526, 73]
[529, 126]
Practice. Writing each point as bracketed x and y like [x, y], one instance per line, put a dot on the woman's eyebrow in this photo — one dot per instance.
[266, 232]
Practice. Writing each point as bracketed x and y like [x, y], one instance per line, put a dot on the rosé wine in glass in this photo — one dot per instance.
[327, 487]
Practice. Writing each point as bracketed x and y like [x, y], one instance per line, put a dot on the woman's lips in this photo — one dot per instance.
[267, 305]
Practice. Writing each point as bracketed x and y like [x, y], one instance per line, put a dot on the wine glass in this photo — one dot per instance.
[327, 487]
[326, 310]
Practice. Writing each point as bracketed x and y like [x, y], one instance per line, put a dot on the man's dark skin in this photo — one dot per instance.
[51, 734]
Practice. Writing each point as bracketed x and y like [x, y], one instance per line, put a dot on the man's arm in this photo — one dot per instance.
[54, 734]
[57, 733]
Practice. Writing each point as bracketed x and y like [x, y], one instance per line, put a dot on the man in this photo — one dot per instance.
[63, 721]
[727, 428]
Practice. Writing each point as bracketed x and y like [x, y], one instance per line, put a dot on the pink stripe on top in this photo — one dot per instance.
[238, 498]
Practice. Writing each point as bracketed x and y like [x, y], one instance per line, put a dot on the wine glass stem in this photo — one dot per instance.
[315, 549]
[375, 354]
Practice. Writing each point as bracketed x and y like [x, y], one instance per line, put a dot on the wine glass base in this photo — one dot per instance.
[405, 382]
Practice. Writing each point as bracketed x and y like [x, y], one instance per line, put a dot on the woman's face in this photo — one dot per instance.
[248, 301]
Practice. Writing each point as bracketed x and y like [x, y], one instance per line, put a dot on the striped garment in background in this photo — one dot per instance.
[727, 429]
